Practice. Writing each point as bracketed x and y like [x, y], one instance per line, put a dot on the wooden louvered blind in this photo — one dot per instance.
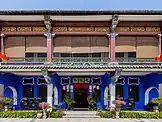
[36, 44]
[14, 46]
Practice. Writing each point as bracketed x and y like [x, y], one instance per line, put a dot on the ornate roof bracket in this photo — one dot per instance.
[114, 22]
[116, 76]
[47, 22]
[46, 76]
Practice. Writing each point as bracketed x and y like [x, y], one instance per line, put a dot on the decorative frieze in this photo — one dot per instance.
[123, 29]
[9, 29]
[137, 29]
[102, 29]
[81, 29]
[60, 29]
[153, 29]
[24, 29]
[39, 29]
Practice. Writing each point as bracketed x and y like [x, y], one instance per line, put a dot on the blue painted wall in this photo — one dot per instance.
[151, 80]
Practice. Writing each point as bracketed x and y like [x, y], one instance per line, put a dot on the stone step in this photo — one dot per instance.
[80, 114]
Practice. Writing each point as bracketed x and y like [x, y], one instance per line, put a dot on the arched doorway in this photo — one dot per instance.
[150, 93]
[11, 93]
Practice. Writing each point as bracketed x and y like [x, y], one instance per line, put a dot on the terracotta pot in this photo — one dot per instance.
[6, 108]
[39, 115]
[44, 113]
[117, 114]
[156, 108]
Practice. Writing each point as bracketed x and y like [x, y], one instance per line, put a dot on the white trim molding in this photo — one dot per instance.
[147, 94]
[55, 90]
[14, 94]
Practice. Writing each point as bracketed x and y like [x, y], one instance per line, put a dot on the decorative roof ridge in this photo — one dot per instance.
[80, 12]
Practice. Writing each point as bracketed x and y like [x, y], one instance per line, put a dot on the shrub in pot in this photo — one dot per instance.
[44, 106]
[157, 102]
[91, 103]
[118, 104]
[6, 102]
[69, 102]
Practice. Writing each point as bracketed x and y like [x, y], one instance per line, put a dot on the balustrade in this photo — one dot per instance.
[81, 60]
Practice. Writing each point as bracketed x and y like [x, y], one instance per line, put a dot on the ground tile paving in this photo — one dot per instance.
[80, 120]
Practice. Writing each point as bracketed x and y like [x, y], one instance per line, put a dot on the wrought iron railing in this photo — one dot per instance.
[81, 59]
[144, 60]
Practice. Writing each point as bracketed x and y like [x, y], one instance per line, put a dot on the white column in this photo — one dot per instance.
[159, 36]
[1, 90]
[90, 90]
[112, 94]
[160, 90]
[49, 93]
[2, 42]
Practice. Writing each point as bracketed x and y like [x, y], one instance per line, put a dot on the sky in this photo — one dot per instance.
[81, 4]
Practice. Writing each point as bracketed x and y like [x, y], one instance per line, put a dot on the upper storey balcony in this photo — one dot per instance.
[102, 57]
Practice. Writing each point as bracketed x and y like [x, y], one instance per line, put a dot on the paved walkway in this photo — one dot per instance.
[79, 120]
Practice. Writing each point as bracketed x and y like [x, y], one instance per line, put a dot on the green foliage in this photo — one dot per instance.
[105, 114]
[91, 102]
[18, 114]
[68, 101]
[23, 114]
[57, 114]
[157, 100]
[7, 100]
[150, 115]
[99, 109]
[107, 109]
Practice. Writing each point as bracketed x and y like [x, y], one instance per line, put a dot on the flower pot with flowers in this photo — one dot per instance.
[118, 104]
[44, 106]
[6, 102]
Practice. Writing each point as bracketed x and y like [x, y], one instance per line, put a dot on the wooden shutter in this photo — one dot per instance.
[14, 46]
[99, 44]
[62, 44]
[80, 44]
[147, 47]
[125, 44]
[36, 44]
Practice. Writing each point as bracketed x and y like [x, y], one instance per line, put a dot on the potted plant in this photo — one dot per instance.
[39, 114]
[69, 102]
[157, 102]
[7, 102]
[91, 103]
[44, 106]
[118, 104]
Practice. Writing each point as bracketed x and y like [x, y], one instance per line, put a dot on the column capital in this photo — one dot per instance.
[53, 34]
[159, 35]
[109, 34]
[3, 35]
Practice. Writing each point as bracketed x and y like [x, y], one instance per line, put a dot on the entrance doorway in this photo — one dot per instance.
[80, 95]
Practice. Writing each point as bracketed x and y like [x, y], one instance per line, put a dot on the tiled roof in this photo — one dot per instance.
[80, 12]
[82, 66]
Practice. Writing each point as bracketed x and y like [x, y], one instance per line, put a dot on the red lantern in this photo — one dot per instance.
[157, 58]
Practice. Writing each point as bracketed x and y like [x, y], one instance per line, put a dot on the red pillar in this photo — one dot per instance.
[49, 47]
[112, 47]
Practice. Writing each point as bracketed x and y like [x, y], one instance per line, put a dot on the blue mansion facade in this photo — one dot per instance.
[106, 55]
